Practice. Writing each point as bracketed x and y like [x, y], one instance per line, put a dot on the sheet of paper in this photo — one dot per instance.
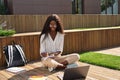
[15, 69]
[72, 65]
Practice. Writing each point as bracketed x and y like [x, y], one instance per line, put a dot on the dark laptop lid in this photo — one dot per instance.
[76, 73]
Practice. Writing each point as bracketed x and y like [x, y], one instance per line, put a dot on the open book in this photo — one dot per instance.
[15, 69]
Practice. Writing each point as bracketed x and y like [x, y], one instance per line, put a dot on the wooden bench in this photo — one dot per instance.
[75, 41]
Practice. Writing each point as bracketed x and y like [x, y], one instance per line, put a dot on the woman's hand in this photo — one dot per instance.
[57, 53]
[44, 54]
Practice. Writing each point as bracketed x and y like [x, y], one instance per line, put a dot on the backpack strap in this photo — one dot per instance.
[10, 55]
[8, 61]
[21, 53]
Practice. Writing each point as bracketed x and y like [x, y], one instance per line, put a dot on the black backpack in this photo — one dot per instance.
[14, 55]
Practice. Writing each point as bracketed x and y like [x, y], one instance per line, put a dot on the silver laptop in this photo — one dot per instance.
[77, 73]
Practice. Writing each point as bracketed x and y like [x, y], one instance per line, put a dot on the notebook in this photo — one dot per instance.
[16, 69]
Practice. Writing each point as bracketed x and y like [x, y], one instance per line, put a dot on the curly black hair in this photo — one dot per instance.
[46, 28]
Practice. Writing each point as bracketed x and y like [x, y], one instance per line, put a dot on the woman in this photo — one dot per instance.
[51, 45]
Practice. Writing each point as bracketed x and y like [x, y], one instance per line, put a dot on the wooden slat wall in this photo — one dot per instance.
[75, 41]
[34, 23]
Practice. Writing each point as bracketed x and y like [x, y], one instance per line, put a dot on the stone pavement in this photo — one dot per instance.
[112, 51]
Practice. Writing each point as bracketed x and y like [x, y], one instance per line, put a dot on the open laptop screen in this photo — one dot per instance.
[76, 73]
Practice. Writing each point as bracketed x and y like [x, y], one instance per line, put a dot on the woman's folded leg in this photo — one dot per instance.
[68, 59]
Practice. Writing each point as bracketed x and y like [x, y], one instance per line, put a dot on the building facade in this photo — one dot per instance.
[63, 6]
[39, 6]
[96, 6]
[119, 6]
[91, 7]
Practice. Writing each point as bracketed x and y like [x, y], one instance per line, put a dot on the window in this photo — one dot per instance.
[109, 6]
[77, 6]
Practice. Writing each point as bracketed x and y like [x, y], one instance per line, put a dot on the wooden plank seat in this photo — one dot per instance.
[36, 68]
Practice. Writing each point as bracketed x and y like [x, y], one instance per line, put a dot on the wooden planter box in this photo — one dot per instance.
[75, 41]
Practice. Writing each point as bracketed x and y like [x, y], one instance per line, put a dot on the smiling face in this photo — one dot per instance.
[53, 25]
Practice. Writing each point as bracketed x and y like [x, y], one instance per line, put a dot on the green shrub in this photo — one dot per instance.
[7, 32]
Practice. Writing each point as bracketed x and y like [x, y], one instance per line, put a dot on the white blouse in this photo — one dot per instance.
[49, 45]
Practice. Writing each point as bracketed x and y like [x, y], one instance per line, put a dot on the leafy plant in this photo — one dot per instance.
[4, 31]
[7, 32]
[106, 3]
